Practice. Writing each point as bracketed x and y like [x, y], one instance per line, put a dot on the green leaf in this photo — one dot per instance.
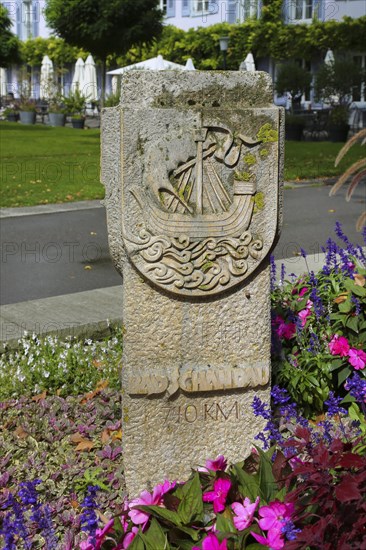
[137, 543]
[183, 544]
[159, 512]
[225, 524]
[356, 289]
[343, 374]
[118, 527]
[313, 380]
[346, 306]
[254, 546]
[155, 537]
[190, 508]
[336, 364]
[248, 484]
[267, 484]
[193, 533]
[352, 323]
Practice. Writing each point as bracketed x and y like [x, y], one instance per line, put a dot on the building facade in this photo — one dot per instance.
[186, 14]
[28, 18]
[29, 21]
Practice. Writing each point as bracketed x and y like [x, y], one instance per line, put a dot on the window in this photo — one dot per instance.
[186, 8]
[163, 5]
[200, 6]
[300, 10]
[25, 19]
[248, 9]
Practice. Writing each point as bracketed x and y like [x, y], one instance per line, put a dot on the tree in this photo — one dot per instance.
[105, 27]
[294, 79]
[335, 82]
[9, 44]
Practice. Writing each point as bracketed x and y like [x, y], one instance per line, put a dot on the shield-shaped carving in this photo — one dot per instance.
[200, 194]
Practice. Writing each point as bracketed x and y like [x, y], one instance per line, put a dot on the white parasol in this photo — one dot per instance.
[248, 64]
[89, 89]
[3, 82]
[329, 58]
[46, 82]
[78, 78]
[154, 64]
[189, 65]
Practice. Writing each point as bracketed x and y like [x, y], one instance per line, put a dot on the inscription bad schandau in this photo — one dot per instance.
[197, 380]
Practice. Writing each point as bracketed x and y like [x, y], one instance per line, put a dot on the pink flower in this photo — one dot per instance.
[86, 545]
[304, 313]
[166, 486]
[244, 513]
[219, 463]
[218, 495]
[138, 517]
[273, 540]
[339, 346]
[127, 539]
[274, 514]
[357, 358]
[212, 543]
[301, 292]
[284, 330]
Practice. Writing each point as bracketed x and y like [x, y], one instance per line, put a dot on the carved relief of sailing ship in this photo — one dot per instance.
[198, 204]
[195, 237]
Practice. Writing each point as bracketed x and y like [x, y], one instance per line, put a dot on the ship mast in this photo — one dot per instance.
[200, 136]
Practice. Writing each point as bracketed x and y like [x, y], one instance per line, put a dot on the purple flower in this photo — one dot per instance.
[288, 529]
[283, 272]
[28, 493]
[333, 405]
[273, 272]
[327, 427]
[261, 409]
[18, 522]
[356, 387]
[89, 520]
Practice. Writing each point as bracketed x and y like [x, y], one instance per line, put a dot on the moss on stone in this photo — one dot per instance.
[258, 200]
[267, 134]
[263, 153]
[250, 159]
[243, 176]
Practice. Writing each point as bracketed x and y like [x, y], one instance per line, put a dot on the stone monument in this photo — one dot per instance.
[191, 163]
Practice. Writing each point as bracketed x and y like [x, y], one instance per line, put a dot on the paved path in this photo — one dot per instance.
[57, 275]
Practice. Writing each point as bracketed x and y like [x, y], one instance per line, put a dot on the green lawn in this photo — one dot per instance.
[315, 159]
[41, 165]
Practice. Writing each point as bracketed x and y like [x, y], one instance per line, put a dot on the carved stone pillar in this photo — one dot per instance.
[191, 163]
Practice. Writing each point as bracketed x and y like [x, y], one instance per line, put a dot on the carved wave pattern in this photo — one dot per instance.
[180, 264]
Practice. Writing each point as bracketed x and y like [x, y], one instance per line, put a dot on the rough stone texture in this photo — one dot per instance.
[195, 353]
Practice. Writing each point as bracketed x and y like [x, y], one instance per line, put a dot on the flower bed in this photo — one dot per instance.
[303, 486]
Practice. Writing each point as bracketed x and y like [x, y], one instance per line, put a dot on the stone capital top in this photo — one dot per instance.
[196, 89]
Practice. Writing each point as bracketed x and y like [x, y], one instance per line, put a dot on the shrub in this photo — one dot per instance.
[68, 367]
[319, 327]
